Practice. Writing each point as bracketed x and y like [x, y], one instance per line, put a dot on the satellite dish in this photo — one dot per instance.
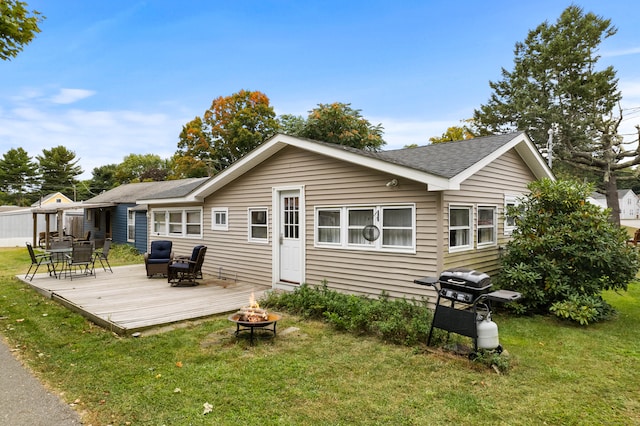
[371, 232]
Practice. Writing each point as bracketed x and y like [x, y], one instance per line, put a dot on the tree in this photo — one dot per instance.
[292, 125]
[554, 86]
[140, 168]
[18, 27]
[194, 155]
[564, 252]
[103, 179]
[455, 133]
[58, 169]
[232, 127]
[340, 124]
[18, 174]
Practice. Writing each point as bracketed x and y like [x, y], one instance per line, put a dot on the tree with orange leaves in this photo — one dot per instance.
[233, 126]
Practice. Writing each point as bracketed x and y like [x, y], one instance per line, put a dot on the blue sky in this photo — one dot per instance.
[110, 78]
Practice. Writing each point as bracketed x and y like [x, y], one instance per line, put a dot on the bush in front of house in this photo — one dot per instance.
[564, 252]
[398, 321]
[124, 253]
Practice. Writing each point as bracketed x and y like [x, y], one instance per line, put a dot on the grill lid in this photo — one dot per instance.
[464, 278]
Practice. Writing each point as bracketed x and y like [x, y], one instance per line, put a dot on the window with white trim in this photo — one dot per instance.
[487, 226]
[178, 222]
[397, 227]
[328, 226]
[160, 222]
[392, 228]
[131, 225]
[219, 218]
[509, 221]
[358, 218]
[460, 235]
[258, 225]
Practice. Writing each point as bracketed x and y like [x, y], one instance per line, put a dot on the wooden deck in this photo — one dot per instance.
[126, 301]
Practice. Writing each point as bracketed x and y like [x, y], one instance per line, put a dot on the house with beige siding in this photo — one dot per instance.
[300, 211]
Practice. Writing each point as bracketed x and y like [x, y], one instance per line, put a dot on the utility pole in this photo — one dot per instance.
[550, 148]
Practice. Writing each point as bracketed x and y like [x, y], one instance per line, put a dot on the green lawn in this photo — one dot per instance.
[560, 374]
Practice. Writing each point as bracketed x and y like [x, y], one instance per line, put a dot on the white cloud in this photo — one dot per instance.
[400, 133]
[98, 138]
[69, 96]
[620, 52]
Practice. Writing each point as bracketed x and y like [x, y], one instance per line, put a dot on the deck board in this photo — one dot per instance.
[126, 301]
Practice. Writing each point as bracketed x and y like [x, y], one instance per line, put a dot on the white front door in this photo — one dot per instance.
[290, 253]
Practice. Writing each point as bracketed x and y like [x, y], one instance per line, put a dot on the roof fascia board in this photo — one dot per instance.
[234, 171]
[277, 143]
[434, 183]
[523, 146]
[534, 160]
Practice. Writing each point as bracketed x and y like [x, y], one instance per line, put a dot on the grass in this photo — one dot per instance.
[560, 373]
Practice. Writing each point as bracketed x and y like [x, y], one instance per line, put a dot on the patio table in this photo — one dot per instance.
[58, 254]
[61, 255]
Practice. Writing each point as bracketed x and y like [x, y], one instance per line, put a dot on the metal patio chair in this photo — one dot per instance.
[102, 255]
[186, 270]
[40, 259]
[80, 260]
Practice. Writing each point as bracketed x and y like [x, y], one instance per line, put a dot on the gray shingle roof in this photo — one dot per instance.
[130, 193]
[447, 159]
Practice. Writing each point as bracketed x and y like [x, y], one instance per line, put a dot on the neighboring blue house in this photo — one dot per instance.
[122, 219]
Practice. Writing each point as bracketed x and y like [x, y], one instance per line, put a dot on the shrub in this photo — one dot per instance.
[564, 253]
[398, 321]
[124, 253]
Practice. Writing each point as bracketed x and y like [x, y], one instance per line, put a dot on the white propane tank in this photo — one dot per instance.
[487, 333]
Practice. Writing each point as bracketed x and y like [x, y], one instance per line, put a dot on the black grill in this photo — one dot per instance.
[467, 293]
[463, 285]
[460, 284]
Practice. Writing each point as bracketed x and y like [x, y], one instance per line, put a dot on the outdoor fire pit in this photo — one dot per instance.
[248, 318]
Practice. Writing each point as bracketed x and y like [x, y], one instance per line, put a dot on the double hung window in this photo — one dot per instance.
[510, 201]
[460, 221]
[131, 225]
[486, 225]
[463, 222]
[258, 231]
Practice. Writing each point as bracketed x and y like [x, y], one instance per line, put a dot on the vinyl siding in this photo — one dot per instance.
[507, 175]
[334, 183]
[326, 183]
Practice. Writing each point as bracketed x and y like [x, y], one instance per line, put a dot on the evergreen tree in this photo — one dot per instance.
[18, 174]
[103, 179]
[58, 168]
[556, 86]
